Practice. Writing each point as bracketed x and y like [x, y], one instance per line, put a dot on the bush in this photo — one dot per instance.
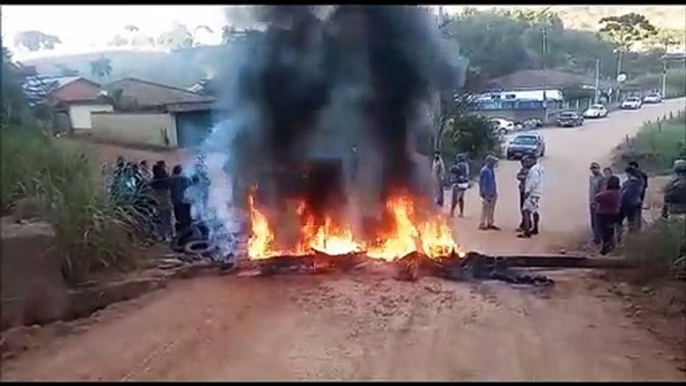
[661, 249]
[675, 79]
[90, 231]
[471, 134]
[657, 145]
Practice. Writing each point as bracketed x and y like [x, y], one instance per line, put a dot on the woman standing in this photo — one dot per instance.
[607, 205]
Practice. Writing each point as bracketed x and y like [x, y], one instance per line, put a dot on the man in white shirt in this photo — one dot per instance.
[533, 187]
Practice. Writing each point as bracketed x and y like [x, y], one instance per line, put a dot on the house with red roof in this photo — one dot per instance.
[153, 114]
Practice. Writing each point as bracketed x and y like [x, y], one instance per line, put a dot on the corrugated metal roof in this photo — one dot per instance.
[37, 87]
[146, 93]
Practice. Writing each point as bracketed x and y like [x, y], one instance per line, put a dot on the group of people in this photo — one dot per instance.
[612, 203]
[530, 178]
[166, 204]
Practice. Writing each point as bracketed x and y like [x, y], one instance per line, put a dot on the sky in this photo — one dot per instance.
[84, 28]
[87, 28]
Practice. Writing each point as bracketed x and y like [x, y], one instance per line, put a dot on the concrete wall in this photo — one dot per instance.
[80, 115]
[145, 129]
[521, 115]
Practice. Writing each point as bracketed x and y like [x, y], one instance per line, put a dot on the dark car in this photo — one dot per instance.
[570, 119]
[524, 144]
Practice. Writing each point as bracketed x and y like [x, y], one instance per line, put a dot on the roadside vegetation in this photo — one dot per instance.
[661, 247]
[91, 229]
[657, 145]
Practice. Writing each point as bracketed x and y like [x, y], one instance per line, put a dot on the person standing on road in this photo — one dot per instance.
[160, 188]
[459, 180]
[674, 198]
[533, 188]
[607, 204]
[178, 183]
[631, 201]
[596, 182]
[489, 194]
[438, 172]
[521, 177]
[644, 178]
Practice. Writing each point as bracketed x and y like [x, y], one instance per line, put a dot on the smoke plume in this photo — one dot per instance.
[338, 83]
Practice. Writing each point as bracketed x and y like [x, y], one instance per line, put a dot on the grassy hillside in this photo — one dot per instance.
[181, 68]
[587, 17]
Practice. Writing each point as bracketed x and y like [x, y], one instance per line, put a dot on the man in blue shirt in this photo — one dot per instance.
[489, 194]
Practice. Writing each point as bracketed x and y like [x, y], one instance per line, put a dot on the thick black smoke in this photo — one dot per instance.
[357, 76]
[300, 62]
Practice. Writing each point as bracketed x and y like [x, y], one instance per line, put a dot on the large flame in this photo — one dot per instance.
[401, 236]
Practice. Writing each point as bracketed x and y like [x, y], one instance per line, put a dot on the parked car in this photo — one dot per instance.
[524, 144]
[631, 103]
[533, 122]
[652, 98]
[503, 126]
[596, 111]
[570, 119]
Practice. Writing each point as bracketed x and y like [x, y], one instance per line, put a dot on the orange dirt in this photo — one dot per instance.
[230, 328]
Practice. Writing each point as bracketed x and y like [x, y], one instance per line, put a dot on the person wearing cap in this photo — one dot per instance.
[674, 197]
[459, 179]
[533, 189]
[488, 191]
[596, 182]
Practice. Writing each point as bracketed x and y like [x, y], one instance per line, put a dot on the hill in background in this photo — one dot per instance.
[180, 68]
[587, 17]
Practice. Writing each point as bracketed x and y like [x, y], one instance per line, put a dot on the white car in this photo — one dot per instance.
[503, 126]
[652, 98]
[596, 111]
[632, 103]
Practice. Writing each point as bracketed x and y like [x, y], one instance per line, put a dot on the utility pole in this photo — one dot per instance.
[619, 72]
[597, 80]
[664, 76]
[545, 78]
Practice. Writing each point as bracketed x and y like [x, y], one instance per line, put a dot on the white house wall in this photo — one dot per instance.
[80, 115]
[148, 129]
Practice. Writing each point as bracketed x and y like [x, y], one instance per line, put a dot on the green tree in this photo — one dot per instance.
[492, 42]
[15, 108]
[177, 37]
[625, 31]
[36, 40]
[101, 67]
[665, 38]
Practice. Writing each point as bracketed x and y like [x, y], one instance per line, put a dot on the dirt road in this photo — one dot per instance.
[227, 328]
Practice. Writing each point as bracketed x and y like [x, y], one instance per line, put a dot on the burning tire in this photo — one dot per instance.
[195, 232]
[199, 247]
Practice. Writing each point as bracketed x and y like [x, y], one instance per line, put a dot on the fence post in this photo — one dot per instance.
[659, 126]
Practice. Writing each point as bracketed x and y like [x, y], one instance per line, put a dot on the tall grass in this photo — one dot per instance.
[661, 249]
[657, 145]
[91, 232]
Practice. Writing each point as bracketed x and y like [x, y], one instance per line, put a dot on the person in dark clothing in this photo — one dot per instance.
[161, 193]
[607, 209]
[521, 177]
[631, 201]
[178, 184]
[644, 177]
